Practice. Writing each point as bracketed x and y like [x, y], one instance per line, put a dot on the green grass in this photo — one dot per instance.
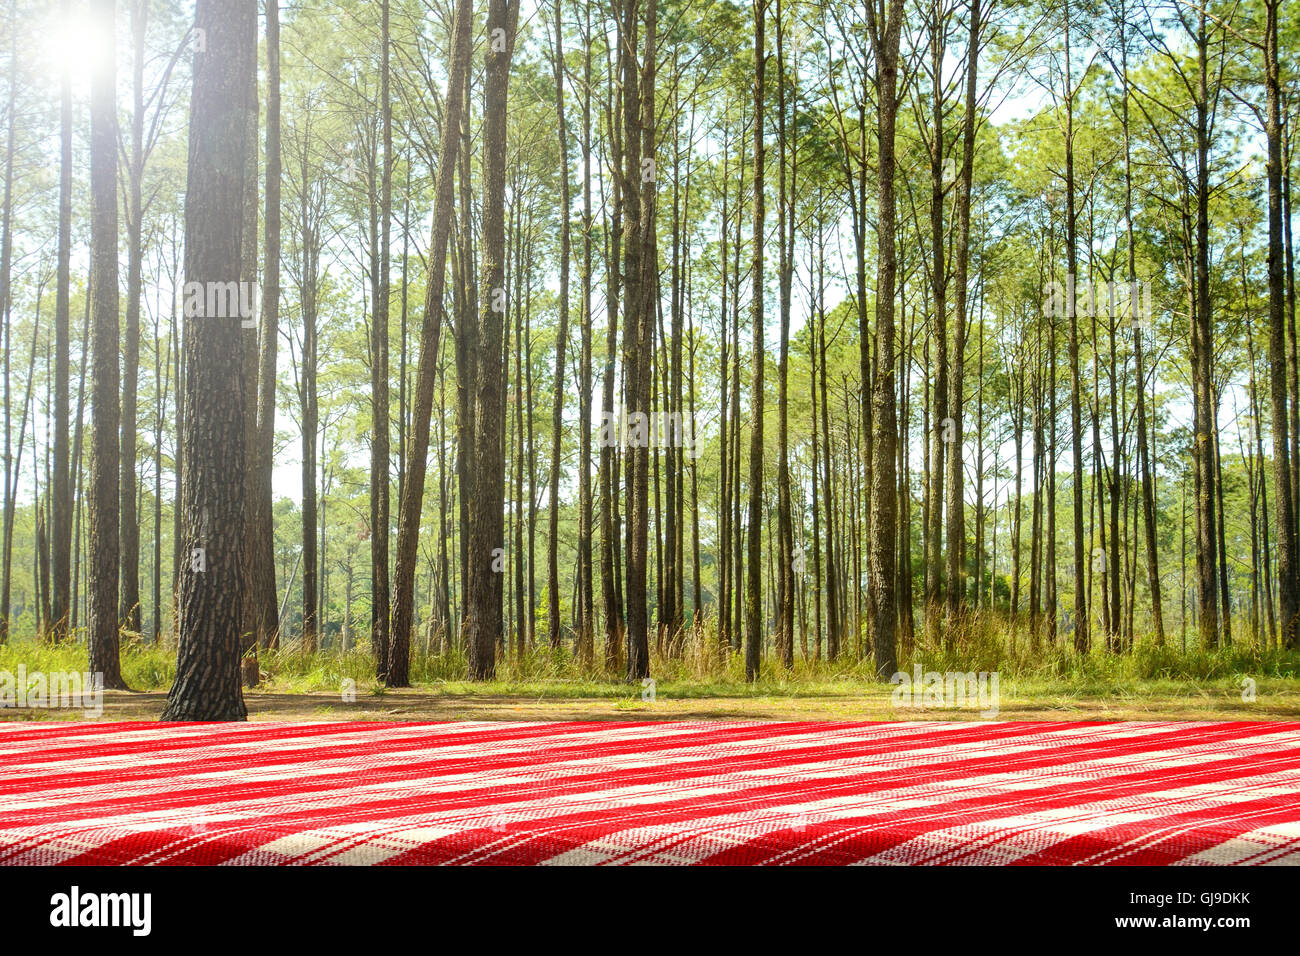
[699, 672]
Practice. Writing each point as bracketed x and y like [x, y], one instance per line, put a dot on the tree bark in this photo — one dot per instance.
[786, 232]
[408, 524]
[1081, 637]
[485, 585]
[262, 531]
[1207, 591]
[883, 549]
[956, 505]
[129, 608]
[379, 438]
[641, 295]
[1288, 586]
[753, 581]
[561, 339]
[586, 611]
[212, 579]
[104, 344]
[60, 486]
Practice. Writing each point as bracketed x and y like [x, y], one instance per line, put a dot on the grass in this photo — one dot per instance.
[1052, 682]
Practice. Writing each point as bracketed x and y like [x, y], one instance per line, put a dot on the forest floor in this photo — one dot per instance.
[1157, 700]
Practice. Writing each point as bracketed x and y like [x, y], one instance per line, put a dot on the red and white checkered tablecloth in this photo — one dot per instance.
[642, 792]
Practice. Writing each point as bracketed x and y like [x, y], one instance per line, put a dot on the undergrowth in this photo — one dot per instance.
[698, 667]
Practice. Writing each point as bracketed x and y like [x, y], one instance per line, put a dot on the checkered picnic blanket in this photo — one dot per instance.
[641, 792]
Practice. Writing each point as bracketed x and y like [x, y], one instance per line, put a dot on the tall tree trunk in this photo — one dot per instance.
[309, 229]
[882, 569]
[1288, 585]
[379, 447]
[483, 624]
[78, 482]
[1081, 638]
[521, 445]
[1207, 591]
[818, 320]
[1220, 532]
[561, 339]
[1140, 320]
[641, 294]
[609, 447]
[212, 579]
[263, 531]
[669, 385]
[941, 425]
[161, 393]
[723, 550]
[248, 347]
[129, 608]
[466, 340]
[786, 223]
[956, 505]
[408, 523]
[753, 582]
[6, 263]
[60, 487]
[586, 611]
[737, 545]
[834, 615]
[104, 345]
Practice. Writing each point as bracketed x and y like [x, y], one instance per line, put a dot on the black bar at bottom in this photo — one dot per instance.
[342, 906]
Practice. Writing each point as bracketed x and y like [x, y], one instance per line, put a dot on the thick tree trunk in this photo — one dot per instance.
[485, 586]
[212, 579]
[641, 293]
[883, 549]
[104, 345]
[1288, 586]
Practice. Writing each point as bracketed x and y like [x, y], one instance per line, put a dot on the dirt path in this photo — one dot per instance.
[875, 704]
